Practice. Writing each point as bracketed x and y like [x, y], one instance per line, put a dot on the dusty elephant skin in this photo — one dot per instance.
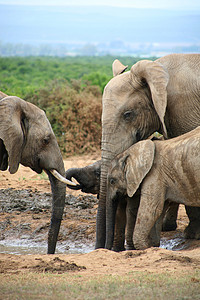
[89, 177]
[153, 96]
[26, 137]
[164, 170]
[126, 211]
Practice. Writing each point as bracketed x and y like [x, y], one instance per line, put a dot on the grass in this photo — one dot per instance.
[21, 178]
[136, 285]
[43, 176]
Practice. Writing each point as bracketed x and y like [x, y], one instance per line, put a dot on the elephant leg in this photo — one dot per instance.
[192, 231]
[150, 210]
[157, 228]
[120, 224]
[131, 215]
[170, 217]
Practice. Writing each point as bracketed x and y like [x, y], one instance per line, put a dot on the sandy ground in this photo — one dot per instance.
[79, 224]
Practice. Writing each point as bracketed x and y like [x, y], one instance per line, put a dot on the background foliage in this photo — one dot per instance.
[68, 89]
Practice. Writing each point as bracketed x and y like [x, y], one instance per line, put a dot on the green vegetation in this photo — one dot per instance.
[68, 89]
[23, 75]
[137, 285]
[74, 111]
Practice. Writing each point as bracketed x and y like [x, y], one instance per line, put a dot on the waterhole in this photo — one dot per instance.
[17, 204]
[25, 246]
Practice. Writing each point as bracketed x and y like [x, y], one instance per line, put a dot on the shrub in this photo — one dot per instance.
[74, 111]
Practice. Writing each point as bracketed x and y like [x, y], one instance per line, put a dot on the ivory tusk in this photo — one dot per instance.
[61, 178]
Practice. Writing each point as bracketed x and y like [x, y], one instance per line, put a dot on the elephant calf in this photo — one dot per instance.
[164, 170]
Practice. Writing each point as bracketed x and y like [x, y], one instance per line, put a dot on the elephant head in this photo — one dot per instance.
[26, 137]
[134, 105]
[87, 177]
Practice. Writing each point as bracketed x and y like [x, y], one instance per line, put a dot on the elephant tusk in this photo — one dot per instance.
[61, 178]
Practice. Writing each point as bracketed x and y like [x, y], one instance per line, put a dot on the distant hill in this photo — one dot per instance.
[98, 25]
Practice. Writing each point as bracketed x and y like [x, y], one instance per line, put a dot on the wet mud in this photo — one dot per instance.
[25, 218]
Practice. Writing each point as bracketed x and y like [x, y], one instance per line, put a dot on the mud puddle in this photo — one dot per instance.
[25, 217]
[25, 246]
[175, 244]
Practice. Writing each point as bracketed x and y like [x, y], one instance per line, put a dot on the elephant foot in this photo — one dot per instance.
[118, 249]
[192, 231]
[130, 247]
[141, 243]
[170, 216]
[169, 225]
[141, 246]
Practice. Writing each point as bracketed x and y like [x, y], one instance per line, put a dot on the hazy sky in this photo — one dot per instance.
[170, 4]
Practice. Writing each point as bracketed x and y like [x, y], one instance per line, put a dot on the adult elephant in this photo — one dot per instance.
[161, 95]
[26, 137]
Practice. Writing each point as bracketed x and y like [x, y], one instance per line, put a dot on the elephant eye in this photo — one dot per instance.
[112, 181]
[128, 115]
[46, 141]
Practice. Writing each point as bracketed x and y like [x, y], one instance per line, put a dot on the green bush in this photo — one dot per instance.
[74, 112]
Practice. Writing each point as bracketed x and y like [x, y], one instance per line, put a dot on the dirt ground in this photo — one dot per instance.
[25, 199]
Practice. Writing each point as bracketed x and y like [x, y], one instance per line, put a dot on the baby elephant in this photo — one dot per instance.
[164, 170]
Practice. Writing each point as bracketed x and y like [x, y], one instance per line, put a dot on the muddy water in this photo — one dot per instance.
[17, 235]
[175, 244]
[25, 246]
[19, 202]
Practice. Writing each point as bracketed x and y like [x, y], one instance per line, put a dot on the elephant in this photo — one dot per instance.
[162, 170]
[26, 137]
[161, 95]
[89, 179]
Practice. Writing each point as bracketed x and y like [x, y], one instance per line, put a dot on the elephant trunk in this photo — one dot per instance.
[101, 212]
[58, 202]
[111, 146]
[74, 173]
[110, 222]
[88, 178]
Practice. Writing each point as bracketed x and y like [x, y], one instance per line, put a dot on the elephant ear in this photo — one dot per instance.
[138, 164]
[12, 131]
[118, 67]
[154, 74]
[2, 95]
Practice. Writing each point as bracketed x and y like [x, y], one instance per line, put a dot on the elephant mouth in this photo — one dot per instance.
[38, 170]
[36, 167]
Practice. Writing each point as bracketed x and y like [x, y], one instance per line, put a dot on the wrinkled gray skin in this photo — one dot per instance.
[26, 137]
[88, 177]
[162, 170]
[161, 96]
[126, 212]
[121, 228]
